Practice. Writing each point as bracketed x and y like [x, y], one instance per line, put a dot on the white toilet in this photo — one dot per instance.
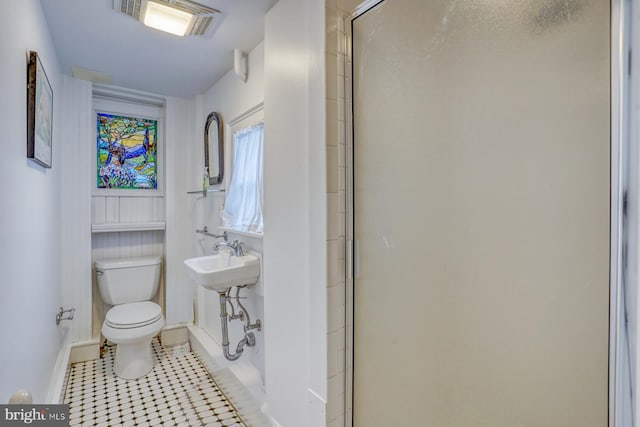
[128, 285]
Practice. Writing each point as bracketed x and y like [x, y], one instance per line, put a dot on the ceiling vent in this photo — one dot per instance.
[187, 18]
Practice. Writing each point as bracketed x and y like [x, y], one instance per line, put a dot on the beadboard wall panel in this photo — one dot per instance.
[129, 244]
[126, 209]
[98, 210]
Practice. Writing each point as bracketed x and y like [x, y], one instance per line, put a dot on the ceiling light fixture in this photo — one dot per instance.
[165, 18]
[179, 17]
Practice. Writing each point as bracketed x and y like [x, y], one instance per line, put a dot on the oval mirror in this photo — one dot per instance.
[214, 143]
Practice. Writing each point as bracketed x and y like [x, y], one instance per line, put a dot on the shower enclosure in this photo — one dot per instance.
[481, 213]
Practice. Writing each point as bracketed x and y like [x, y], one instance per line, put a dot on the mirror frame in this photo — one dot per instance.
[214, 116]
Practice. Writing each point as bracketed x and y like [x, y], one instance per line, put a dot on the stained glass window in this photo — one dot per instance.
[126, 152]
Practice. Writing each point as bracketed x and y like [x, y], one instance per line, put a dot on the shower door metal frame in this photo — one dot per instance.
[620, 415]
[620, 27]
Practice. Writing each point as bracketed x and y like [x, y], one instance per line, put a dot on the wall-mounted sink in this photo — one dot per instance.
[221, 271]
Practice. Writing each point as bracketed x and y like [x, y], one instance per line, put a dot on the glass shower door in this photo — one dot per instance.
[481, 162]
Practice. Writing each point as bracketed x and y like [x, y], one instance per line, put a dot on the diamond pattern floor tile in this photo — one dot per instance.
[177, 392]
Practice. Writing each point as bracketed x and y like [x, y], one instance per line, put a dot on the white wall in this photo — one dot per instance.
[75, 190]
[230, 97]
[30, 215]
[180, 136]
[319, 200]
[294, 213]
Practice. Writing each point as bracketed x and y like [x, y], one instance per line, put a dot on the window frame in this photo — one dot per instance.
[249, 118]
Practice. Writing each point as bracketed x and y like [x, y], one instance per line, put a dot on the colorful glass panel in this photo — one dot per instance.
[126, 152]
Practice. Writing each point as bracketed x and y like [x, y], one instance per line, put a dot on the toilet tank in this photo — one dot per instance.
[122, 281]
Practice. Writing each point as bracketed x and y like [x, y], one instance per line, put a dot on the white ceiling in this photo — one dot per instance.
[90, 34]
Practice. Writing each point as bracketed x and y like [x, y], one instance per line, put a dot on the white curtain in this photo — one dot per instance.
[243, 207]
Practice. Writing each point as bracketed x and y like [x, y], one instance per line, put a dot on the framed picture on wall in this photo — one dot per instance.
[39, 112]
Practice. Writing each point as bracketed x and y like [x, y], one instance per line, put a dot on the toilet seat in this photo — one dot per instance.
[133, 323]
[133, 315]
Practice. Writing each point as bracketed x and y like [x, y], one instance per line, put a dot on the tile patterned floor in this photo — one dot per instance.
[178, 392]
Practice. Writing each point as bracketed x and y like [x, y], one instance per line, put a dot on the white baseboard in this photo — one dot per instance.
[265, 410]
[69, 353]
[59, 376]
[317, 407]
[174, 334]
[83, 351]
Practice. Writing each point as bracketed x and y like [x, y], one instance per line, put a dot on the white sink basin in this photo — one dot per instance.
[221, 271]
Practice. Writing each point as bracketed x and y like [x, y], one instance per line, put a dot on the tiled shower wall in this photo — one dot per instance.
[338, 13]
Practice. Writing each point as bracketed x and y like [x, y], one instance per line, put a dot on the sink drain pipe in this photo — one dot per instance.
[249, 338]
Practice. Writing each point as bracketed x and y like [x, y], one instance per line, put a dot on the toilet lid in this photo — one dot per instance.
[133, 315]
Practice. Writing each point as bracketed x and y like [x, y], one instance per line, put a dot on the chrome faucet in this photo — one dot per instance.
[237, 248]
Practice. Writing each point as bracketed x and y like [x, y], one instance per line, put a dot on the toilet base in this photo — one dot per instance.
[134, 356]
[134, 360]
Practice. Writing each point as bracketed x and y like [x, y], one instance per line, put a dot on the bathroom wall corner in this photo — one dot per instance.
[178, 289]
[75, 196]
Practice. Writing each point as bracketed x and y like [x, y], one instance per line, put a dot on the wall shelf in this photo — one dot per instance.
[204, 192]
[127, 226]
